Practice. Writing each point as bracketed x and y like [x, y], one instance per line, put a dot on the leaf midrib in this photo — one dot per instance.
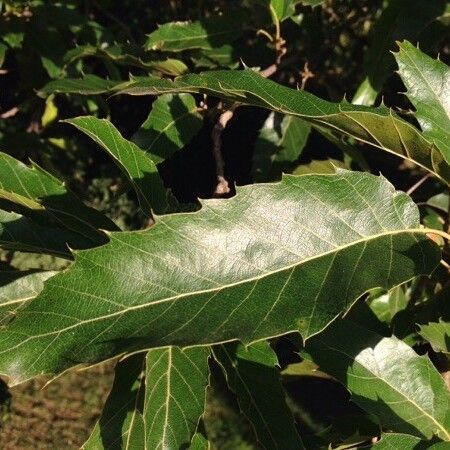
[204, 291]
[378, 377]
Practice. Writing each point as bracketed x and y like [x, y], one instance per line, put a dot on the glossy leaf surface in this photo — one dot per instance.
[228, 271]
[379, 127]
[385, 377]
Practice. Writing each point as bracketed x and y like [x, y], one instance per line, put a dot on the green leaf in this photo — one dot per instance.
[210, 33]
[396, 22]
[438, 335]
[398, 441]
[121, 425]
[124, 55]
[88, 85]
[280, 143]
[260, 264]
[18, 287]
[134, 162]
[199, 442]
[375, 126]
[252, 374]
[387, 305]
[385, 377]
[19, 233]
[428, 84]
[175, 392]
[32, 190]
[173, 121]
[319, 166]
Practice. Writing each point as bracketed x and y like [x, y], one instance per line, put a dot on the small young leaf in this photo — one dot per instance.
[438, 335]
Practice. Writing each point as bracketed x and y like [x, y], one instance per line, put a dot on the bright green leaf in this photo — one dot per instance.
[134, 162]
[175, 391]
[438, 335]
[428, 84]
[386, 378]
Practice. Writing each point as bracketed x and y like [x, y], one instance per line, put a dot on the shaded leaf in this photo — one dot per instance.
[88, 85]
[280, 143]
[121, 424]
[401, 19]
[319, 166]
[428, 88]
[134, 162]
[397, 441]
[124, 55]
[19, 233]
[209, 33]
[252, 374]
[385, 377]
[215, 275]
[175, 392]
[173, 121]
[438, 335]
[376, 126]
[18, 287]
[34, 190]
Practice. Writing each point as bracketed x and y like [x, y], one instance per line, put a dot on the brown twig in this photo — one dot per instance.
[222, 187]
[415, 186]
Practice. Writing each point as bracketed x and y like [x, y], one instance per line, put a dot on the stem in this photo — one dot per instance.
[443, 234]
[276, 22]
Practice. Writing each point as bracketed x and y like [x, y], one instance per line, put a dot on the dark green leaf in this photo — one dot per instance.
[121, 424]
[280, 143]
[18, 287]
[212, 32]
[252, 374]
[173, 121]
[33, 190]
[376, 126]
[260, 264]
[89, 85]
[401, 19]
